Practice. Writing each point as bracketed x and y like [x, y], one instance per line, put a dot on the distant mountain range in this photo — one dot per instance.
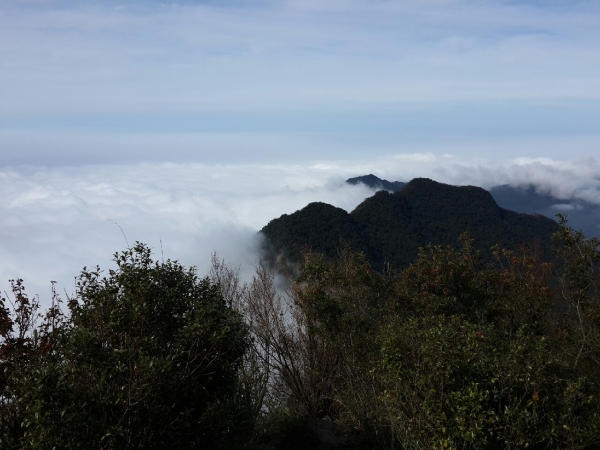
[376, 183]
[584, 216]
[389, 227]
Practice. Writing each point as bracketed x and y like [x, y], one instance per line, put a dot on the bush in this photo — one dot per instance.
[148, 358]
[452, 353]
[449, 353]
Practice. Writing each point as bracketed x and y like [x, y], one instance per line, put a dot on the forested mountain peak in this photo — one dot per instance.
[583, 215]
[375, 182]
[428, 193]
[390, 227]
[316, 208]
[427, 187]
[318, 225]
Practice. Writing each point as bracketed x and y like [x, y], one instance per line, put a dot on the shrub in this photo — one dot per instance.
[148, 358]
[452, 353]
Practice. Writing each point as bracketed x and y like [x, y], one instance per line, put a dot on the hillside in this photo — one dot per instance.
[583, 215]
[390, 227]
[319, 226]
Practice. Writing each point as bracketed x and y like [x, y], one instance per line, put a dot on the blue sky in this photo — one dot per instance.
[309, 79]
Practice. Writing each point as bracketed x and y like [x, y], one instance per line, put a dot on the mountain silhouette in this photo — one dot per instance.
[390, 227]
[376, 183]
[583, 215]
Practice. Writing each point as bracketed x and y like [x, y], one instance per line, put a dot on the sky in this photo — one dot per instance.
[190, 125]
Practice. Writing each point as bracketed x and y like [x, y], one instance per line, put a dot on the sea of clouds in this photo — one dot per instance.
[54, 221]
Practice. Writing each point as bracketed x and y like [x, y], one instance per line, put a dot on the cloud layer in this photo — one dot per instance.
[55, 221]
[192, 124]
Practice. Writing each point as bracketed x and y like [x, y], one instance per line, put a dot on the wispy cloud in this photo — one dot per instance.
[366, 72]
[85, 57]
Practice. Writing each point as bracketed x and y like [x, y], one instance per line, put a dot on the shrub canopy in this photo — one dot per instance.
[147, 358]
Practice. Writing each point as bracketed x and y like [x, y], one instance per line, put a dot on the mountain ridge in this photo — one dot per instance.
[583, 215]
[390, 227]
[375, 182]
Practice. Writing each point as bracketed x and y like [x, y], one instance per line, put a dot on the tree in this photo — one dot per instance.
[147, 358]
[455, 353]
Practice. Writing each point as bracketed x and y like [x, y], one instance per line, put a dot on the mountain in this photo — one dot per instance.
[319, 226]
[390, 227]
[376, 183]
[583, 216]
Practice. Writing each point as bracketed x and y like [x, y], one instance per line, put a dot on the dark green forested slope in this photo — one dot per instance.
[390, 227]
[583, 215]
[318, 226]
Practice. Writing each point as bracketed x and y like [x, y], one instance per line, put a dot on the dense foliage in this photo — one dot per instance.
[147, 358]
[390, 227]
[453, 352]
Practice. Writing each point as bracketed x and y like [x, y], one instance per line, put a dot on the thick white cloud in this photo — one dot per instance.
[456, 90]
[577, 179]
[55, 221]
